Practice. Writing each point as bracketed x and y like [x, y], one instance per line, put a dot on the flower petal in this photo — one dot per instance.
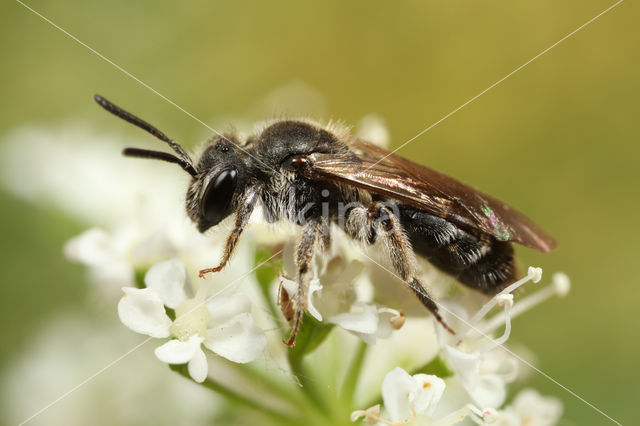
[490, 391]
[224, 307]
[169, 280]
[198, 366]
[143, 312]
[369, 339]
[429, 393]
[238, 340]
[363, 318]
[314, 287]
[466, 366]
[485, 389]
[290, 285]
[508, 418]
[93, 247]
[177, 352]
[532, 407]
[398, 389]
[384, 322]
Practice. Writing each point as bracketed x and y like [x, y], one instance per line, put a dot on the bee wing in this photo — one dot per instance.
[378, 171]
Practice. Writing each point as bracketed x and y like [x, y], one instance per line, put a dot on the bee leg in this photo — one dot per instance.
[245, 208]
[312, 239]
[387, 227]
[285, 303]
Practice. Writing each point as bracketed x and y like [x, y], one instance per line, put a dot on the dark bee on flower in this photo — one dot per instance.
[316, 176]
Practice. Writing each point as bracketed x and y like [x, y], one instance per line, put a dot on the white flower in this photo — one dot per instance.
[482, 367]
[531, 409]
[104, 254]
[414, 399]
[482, 370]
[483, 375]
[113, 256]
[89, 180]
[405, 397]
[535, 409]
[136, 207]
[222, 323]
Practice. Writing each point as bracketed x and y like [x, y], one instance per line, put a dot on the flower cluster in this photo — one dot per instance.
[467, 376]
[480, 366]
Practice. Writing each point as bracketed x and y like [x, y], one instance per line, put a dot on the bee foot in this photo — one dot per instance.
[204, 272]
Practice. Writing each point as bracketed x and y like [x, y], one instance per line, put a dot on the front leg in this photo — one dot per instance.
[245, 208]
[314, 234]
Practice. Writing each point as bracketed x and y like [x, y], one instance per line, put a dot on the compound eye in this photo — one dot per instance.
[216, 203]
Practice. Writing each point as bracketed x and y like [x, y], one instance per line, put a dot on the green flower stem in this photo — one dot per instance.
[139, 277]
[307, 384]
[309, 338]
[285, 391]
[353, 374]
[437, 367]
[266, 274]
[312, 334]
[275, 314]
[233, 396]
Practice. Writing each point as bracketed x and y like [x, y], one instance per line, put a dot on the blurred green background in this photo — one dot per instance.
[558, 140]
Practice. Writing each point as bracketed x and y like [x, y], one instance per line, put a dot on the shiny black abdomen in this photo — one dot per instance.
[477, 260]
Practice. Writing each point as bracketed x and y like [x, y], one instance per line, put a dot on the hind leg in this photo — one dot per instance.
[385, 226]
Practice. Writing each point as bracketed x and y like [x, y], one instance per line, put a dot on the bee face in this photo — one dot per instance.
[212, 194]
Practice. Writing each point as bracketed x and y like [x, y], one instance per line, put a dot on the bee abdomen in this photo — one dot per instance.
[477, 260]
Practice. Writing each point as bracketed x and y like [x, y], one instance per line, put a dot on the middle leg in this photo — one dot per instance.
[314, 237]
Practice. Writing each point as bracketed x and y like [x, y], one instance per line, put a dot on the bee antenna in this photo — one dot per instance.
[159, 155]
[138, 122]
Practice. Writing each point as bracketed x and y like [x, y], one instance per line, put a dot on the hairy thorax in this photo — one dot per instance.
[288, 196]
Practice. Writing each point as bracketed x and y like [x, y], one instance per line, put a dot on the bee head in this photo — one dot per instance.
[217, 180]
[214, 191]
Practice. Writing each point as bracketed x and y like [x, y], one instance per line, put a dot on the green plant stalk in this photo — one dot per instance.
[310, 335]
[307, 384]
[265, 275]
[308, 340]
[272, 308]
[352, 376]
[288, 393]
[240, 399]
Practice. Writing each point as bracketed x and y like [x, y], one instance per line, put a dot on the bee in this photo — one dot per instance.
[315, 176]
